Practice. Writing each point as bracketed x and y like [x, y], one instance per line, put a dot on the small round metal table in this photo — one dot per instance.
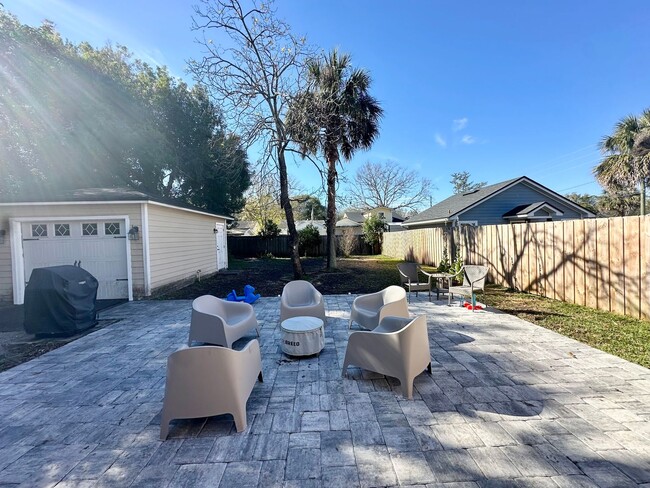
[302, 336]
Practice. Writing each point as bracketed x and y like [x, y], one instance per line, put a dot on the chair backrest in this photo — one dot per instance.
[409, 271]
[210, 305]
[393, 293]
[299, 292]
[475, 272]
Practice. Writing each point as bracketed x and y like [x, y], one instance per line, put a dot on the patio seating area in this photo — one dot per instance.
[508, 403]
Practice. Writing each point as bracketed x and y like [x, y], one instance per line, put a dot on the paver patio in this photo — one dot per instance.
[508, 404]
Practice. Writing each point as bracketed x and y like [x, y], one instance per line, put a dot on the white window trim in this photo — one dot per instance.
[18, 260]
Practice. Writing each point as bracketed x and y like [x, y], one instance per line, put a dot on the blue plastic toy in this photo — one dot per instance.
[232, 297]
[249, 295]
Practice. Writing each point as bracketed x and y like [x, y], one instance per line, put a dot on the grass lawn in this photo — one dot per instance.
[622, 336]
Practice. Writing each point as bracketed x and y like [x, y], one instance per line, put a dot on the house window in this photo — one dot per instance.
[112, 228]
[89, 229]
[39, 230]
[62, 230]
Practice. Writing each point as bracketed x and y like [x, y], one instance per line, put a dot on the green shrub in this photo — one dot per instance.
[308, 238]
[269, 229]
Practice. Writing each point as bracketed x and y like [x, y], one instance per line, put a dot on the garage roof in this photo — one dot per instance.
[95, 195]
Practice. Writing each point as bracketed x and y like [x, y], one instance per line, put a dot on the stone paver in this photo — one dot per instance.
[507, 404]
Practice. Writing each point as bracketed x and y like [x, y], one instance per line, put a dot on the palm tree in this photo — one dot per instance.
[626, 163]
[335, 116]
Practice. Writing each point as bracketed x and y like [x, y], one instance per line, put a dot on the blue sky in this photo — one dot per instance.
[499, 89]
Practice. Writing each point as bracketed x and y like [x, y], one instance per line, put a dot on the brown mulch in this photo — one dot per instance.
[268, 276]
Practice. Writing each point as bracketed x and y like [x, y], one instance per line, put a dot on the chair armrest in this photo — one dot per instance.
[372, 299]
[395, 309]
[391, 323]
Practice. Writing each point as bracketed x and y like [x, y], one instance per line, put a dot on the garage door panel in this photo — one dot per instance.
[103, 257]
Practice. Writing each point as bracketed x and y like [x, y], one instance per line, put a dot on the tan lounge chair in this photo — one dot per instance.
[409, 274]
[368, 310]
[210, 380]
[220, 322]
[398, 347]
[299, 299]
[473, 281]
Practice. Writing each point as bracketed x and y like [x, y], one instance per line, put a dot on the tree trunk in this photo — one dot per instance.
[642, 195]
[331, 213]
[285, 203]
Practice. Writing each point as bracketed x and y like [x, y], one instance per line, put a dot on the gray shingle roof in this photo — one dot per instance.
[457, 203]
[354, 215]
[102, 195]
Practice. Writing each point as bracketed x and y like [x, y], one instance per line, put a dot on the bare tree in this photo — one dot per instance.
[253, 76]
[262, 200]
[388, 185]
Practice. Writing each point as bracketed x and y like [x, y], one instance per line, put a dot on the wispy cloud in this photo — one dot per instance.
[467, 139]
[459, 124]
[440, 140]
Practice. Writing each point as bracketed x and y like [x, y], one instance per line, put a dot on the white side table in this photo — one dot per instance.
[302, 336]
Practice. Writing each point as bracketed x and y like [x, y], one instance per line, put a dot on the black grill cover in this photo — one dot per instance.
[60, 300]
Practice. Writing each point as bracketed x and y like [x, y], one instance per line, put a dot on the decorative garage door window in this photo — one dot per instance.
[62, 230]
[112, 228]
[89, 229]
[39, 230]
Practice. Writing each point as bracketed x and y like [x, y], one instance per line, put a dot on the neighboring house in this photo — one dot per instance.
[517, 200]
[133, 243]
[243, 228]
[353, 219]
[301, 224]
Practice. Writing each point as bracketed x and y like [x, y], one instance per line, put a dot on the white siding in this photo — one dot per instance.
[63, 211]
[180, 244]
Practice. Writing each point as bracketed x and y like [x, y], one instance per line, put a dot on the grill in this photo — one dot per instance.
[60, 300]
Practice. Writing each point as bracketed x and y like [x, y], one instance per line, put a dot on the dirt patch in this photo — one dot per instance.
[268, 276]
[17, 347]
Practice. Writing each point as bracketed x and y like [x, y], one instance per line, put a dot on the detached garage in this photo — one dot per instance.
[133, 243]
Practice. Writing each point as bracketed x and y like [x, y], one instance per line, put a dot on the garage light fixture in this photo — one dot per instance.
[2, 236]
[134, 233]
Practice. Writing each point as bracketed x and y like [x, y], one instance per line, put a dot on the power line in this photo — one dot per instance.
[577, 186]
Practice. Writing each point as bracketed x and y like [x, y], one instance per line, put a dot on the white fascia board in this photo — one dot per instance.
[225, 217]
[112, 202]
[425, 222]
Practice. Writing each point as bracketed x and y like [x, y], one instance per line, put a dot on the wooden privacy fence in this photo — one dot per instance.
[425, 246]
[255, 246]
[600, 263]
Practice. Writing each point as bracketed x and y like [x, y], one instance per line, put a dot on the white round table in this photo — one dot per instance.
[302, 336]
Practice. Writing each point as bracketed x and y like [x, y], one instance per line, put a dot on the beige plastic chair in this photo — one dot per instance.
[398, 347]
[220, 322]
[210, 380]
[299, 299]
[368, 310]
[473, 281]
[409, 274]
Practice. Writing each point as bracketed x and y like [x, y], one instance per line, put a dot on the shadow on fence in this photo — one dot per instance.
[599, 263]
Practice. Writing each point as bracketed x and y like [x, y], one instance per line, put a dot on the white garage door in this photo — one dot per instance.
[99, 247]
